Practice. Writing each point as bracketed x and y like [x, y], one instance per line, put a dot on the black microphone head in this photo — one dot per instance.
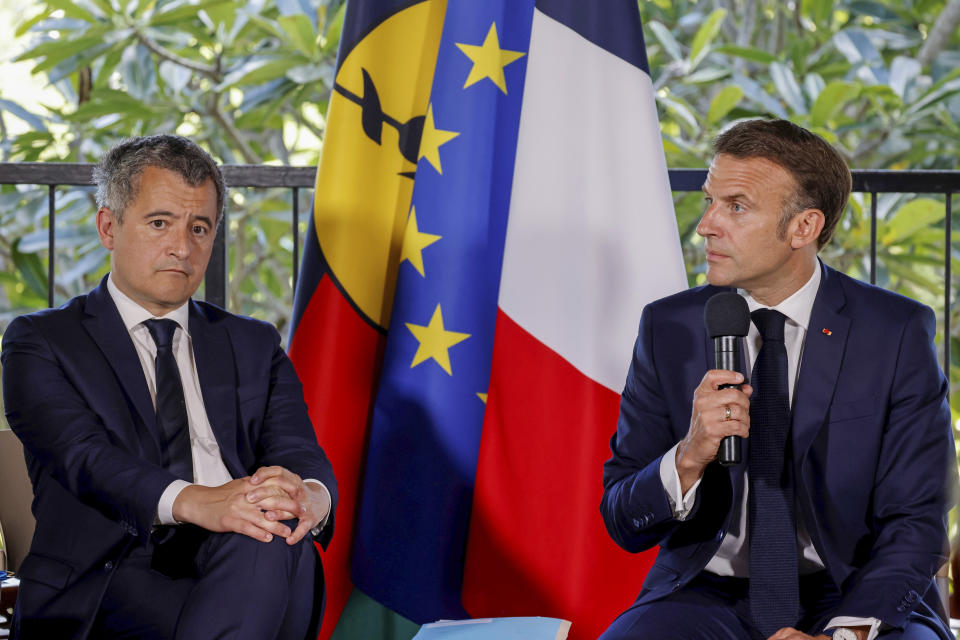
[726, 314]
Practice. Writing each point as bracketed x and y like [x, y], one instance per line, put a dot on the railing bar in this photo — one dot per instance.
[296, 236]
[948, 288]
[51, 241]
[873, 237]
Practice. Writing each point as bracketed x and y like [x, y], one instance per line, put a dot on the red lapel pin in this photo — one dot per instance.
[827, 332]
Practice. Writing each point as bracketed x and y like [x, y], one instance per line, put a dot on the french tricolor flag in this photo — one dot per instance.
[492, 213]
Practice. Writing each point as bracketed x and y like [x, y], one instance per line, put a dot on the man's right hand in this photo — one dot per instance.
[227, 508]
[710, 424]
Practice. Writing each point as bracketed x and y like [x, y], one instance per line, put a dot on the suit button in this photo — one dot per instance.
[676, 587]
[636, 523]
[108, 565]
[911, 596]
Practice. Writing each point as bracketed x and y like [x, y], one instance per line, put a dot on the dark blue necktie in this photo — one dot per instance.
[172, 427]
[774, 589]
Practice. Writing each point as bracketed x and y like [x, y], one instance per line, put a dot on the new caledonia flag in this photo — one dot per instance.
[492, 211]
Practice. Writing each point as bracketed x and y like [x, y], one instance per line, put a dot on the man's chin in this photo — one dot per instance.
[718, 279]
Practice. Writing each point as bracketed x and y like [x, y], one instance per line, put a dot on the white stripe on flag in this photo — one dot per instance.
[592, 235]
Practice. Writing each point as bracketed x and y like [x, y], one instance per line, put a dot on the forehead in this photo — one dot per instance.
[165, 190]
[753, 177]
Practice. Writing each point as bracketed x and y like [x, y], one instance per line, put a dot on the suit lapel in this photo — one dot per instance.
[105, 326]
[820, 365]
[216, 370]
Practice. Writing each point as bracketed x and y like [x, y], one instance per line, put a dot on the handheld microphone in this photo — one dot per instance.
[727, 319]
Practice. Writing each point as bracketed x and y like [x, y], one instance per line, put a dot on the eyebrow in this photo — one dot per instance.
[732, 196]
[169, 214]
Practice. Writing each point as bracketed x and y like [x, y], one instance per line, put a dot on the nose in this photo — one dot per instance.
[180, 243]
[707, 225]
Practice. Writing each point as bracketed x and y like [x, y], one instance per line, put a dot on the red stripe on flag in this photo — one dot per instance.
[537, 542]
[337, 357]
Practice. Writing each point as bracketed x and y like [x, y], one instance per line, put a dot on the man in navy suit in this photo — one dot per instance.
[178, 484]
[867, 467]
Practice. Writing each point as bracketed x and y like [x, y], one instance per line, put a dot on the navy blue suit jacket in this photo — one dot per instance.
[872, 449]
[77, 398]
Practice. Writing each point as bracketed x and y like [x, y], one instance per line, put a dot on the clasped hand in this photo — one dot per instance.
[256, 506]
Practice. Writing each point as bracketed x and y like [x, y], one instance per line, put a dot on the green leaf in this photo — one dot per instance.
[912, 217]
[706, 74]
[259, 70]
[183, 11]
[747, 53]
[307, 73]
[25, 26]
[705, 35]
[35, 121]
[31, 269]
[831, 99]
[107, 102]
[725, 100]
[56, 51]
[682, 112]
[72, 9]
[333, 30]
[819, 11]
[669, 43]
[787, 86]
[299, 32]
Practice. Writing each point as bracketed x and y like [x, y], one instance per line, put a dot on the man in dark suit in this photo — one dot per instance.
[836, 526]
[178, 484]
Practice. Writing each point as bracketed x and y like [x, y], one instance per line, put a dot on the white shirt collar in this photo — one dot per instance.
[133, 314]
[798, 306]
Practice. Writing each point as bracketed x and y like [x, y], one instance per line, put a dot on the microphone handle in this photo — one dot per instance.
[729, 453]
[728, 357]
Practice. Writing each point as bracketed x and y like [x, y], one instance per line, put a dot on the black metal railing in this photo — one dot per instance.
[52, 175]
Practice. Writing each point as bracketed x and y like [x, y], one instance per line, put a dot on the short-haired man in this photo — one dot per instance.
[178, 484]
[835, 523]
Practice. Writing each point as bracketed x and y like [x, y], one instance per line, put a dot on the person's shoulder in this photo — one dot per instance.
[683, 302]
[53, 317]
[232, 322]
[866, 297]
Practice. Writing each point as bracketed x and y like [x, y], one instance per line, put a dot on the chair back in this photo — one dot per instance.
[16, 494]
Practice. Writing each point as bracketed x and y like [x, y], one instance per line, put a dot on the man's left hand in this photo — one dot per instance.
[789, 633]
[275, 485]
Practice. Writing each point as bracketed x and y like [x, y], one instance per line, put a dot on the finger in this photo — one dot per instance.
[283, 503]
[249, 529]
[263, 473]
[713, 378]
[279, 515]
[279, 477]
[302, 529]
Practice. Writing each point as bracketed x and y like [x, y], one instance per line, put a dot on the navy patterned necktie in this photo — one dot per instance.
[774, 589]
[172, 426]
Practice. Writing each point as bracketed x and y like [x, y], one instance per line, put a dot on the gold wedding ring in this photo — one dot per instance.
[727, 414]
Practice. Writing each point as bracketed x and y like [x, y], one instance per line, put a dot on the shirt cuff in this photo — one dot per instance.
[850, 621]
[167, 498]
[681, 504]
[317, 529]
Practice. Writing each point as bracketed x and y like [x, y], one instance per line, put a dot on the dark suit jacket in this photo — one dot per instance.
[872, 449]
[77, 398]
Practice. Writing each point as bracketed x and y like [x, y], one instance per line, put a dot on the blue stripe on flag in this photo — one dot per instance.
[418, 485]
[604, 27]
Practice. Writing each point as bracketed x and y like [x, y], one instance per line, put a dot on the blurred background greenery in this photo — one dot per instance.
[250, 81]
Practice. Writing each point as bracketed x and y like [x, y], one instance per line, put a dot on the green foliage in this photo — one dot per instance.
[249, 81]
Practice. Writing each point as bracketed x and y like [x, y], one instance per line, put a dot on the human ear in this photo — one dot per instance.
[106, 223]
[805, 227]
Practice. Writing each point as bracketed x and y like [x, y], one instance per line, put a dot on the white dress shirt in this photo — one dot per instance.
[733, 556]
[209, 469]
